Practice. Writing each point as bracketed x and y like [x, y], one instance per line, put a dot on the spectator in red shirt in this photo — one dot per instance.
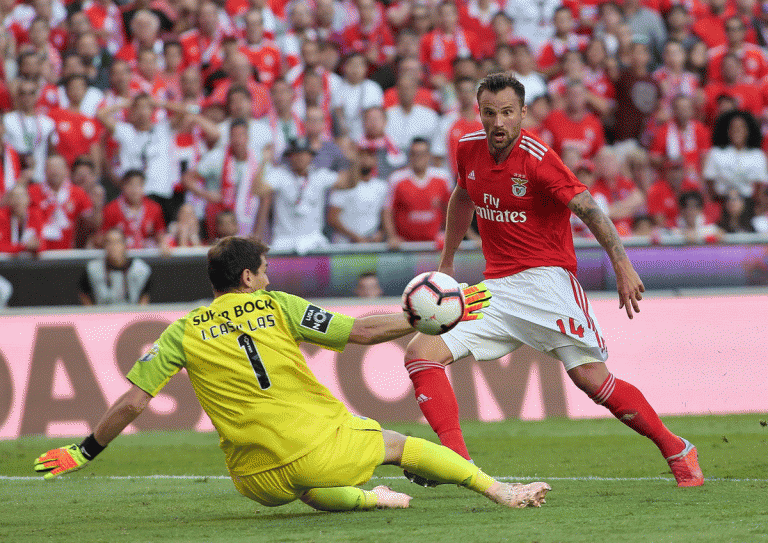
[139, 218]
[78, 134]
[370, 35]
[673, 78]
[107, 22]
[565, 39]
[734, 84]
[446, 42]
[240, 72]
[574, 126]
[456, 124]
[201, 43]
[664, 193]
[411, 67]
[753, 58]
[261, 51]
[711, 28]
[418, 199]
[625, 199]
[682, 137]
[574, 69]
[20, 224]
[61, 203]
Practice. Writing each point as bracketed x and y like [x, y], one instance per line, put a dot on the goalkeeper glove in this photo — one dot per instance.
[476, 298]
[67, 459]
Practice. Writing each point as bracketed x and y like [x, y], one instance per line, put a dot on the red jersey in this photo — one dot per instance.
[15, 233]
[753, 59]
[622, 188]
[266, 58]
[199, 49]
[550, 54]
[438, 50]
[521, 204]
[140, 227]
[586, 135]
[260, 98]
[60, 211]
[690, 143]
[418, 205]
[354, 38]
[424, 97]
[77, 133]
[10, 168]
[747, 95]
[662, 200]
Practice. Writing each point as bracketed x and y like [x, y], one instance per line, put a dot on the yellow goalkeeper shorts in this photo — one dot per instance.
[347, 458]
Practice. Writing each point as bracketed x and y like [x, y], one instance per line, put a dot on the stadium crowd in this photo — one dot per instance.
[309, 122]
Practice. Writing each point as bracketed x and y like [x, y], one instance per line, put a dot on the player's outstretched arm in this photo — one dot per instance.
[628, 283]
[458, 219]
[73, 457]
[375, 329]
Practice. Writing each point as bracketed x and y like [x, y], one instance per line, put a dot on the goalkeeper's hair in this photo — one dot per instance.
[230, 257]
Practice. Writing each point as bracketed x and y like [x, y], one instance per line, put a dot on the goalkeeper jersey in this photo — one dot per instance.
[243, 359]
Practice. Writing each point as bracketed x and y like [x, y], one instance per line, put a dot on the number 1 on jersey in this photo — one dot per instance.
[246, 343]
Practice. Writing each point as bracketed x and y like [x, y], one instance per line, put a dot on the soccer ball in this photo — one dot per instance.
[433, 303]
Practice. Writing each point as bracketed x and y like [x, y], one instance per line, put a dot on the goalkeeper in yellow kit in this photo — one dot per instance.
[285, 436]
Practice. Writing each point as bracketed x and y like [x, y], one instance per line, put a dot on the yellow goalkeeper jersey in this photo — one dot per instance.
[243, 359]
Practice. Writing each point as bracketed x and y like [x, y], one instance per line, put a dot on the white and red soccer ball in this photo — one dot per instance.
[433, 303]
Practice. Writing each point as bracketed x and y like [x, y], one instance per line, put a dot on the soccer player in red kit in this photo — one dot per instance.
[523, 196]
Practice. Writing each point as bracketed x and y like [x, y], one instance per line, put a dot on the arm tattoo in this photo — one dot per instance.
[585, 207]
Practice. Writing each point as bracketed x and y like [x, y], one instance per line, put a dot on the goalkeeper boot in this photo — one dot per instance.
[421, 481]
[517, 495]
[389, 499]
[685, 466]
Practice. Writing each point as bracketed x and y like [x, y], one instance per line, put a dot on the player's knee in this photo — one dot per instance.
[393, 446]
[423, 347]
[589, 377]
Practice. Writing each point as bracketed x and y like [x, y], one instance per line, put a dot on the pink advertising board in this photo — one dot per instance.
[688, 355]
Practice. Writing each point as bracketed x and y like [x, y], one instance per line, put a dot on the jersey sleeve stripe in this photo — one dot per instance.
[534, 143]
[535, 152]
[475, 133]
[474, 138]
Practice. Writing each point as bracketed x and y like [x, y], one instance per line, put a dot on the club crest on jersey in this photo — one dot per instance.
[518, 186]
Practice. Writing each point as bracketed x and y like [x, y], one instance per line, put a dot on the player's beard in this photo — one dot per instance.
[498, 146]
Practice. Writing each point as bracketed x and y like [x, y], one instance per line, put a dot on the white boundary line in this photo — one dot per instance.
[23, 478]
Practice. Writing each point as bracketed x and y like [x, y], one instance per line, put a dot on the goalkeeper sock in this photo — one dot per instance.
[629, 405]
[441, 464]
[437, 402]
[342, 498]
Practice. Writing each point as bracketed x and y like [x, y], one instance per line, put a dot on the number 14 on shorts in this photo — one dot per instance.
[578, 331]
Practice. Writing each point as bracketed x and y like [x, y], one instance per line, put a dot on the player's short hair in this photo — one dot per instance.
[499, 81]
[230, 257]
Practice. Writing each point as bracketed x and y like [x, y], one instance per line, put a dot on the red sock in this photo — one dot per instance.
[437, 402]
[629, 405]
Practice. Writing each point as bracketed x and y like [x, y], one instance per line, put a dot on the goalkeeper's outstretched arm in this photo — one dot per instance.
[73, 457]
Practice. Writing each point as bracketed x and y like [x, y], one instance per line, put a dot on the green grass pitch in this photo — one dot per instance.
[609, 485]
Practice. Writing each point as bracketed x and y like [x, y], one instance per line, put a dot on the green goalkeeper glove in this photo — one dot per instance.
[59, 461]
[476, 298]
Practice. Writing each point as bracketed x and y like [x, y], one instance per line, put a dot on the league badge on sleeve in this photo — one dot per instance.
[316, 318]
[150, 354]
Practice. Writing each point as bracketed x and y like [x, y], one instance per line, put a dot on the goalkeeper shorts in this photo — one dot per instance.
[347, 458]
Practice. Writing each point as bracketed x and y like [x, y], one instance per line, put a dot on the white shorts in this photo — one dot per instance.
[545, 308]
